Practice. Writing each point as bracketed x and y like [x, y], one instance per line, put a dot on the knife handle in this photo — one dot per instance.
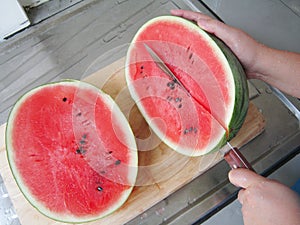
[235, 159]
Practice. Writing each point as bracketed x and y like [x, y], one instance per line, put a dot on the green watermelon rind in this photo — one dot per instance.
[241, 97]
[23, 188]
[240, 106]
[241, 89]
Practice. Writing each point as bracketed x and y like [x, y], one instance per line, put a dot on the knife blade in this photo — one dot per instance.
[158, 61]
[232, 155]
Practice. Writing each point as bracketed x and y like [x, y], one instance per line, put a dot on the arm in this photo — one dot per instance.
[281, 69]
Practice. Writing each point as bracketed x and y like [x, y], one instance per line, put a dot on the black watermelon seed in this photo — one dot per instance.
[170, 84]
[64, 99]
[180, 105]
[99, 188]
[118, 162]
[80, 150]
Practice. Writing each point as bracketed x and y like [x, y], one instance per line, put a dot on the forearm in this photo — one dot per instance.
[280, 69]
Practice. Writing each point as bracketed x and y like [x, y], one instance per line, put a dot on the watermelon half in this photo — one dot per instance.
[214, 111]
[71, 151]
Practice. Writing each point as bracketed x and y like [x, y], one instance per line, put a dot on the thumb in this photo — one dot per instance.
[244, 177]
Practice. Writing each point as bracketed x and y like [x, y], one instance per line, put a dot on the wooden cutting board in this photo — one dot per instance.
[162, 171]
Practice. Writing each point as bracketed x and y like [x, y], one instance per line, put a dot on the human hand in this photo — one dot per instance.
[265, 201]
[243, 46]
[276, 67]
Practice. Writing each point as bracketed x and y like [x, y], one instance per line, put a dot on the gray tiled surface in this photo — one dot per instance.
[294, 5]
[46, 10]
[8, 215]
[272, 22]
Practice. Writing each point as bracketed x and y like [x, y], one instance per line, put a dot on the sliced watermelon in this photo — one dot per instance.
[216, 108]
[71, 151]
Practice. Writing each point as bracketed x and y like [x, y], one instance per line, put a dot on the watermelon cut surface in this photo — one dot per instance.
[216, 108]
[71, 151]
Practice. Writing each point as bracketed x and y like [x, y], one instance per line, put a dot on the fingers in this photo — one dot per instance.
[221, 30]
[195, 16]
[244, 177]
[202, 20]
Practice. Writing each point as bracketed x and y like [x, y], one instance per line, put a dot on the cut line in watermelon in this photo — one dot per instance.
[71, 151]
[202, 63]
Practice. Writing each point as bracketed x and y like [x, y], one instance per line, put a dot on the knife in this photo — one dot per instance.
[231, 154]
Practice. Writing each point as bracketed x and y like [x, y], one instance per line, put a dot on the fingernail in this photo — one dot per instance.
[231, 176]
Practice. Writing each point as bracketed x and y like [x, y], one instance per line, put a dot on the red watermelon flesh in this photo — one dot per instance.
[190, 125]
[71, 151]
